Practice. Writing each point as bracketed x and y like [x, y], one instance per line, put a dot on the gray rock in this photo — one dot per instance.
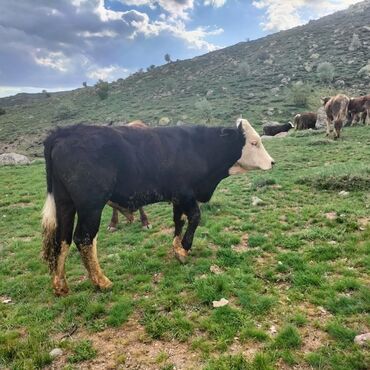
[56, 352]
[339, 83]
[362, 339]
[281, 134]
[13, 158]
[221, 303]
[257, 201]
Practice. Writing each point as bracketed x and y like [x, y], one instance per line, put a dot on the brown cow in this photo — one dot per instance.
[112, 227]
[305, 121]
[359, 109]
[336, 109]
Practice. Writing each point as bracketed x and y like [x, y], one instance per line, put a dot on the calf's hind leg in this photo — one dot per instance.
[65, 217]
[85, 237]
[112, 227]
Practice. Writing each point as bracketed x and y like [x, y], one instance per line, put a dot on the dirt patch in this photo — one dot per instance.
[363, 222]
[21, 205]
[129, 347]
[312, 339]
[242, 246]
[248, 350]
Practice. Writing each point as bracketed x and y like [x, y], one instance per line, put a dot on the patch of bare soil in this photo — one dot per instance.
[242, 246]
[129, 347]
[248, 350]
[363, 222]
[21, 205]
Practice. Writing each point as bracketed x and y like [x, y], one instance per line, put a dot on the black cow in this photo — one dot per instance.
[272, 130]
[87, 166]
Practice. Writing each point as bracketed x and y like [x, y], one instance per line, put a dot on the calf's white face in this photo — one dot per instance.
[254, 155]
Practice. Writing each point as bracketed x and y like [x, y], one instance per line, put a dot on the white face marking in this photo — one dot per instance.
[254, 155]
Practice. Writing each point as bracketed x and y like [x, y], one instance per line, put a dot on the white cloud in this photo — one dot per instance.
[215, 3]
[110, 73]
[281, 15]
[194, 38]
[176, 8]
[55, 60]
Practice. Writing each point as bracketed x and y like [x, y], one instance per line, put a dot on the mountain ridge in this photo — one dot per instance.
[255, 78]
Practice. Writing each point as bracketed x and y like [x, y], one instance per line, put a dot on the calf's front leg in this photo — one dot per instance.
[192, 211]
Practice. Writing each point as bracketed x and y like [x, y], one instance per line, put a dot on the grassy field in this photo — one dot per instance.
[295, 271]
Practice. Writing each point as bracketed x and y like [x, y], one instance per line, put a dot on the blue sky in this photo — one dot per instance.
[58, 44]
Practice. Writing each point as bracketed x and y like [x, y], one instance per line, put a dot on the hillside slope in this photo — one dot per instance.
[253, 78]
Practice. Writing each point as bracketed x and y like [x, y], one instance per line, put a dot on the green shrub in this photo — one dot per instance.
[244, 69]
[102, 88]
[2, 111]
[64, 112]
[326, 72]
[205, 109]
[299, 93]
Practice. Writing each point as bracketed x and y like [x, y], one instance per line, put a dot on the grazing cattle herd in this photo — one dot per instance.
[130, 166]
[340, 110]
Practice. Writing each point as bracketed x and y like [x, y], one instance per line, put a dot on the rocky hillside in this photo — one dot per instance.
[271, 78]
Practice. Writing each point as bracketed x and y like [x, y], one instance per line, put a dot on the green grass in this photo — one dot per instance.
[295, 264]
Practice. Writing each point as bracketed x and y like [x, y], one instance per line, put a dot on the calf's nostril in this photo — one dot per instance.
[272, 162]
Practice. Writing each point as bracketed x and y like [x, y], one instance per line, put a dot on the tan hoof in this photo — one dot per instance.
[180, 253]
[103, 283]
[111, 229]
[60, 287]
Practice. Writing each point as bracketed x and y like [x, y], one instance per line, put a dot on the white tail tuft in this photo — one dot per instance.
[49, 214]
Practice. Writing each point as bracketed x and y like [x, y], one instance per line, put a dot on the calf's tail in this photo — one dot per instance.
[49, 216]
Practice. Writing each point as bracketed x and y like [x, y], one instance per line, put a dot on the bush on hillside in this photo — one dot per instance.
[2, 111]
[64, 112]
[45, 93]
[102, 88]
[263, 55]
[355, 43]
[205, 109]
[244, 69]
[325, 71]
[300, 94]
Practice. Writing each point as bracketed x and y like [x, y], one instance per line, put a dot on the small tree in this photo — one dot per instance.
[167, 58]
[150, 68]
[355, 43]
[102, 88]
[300, 94]
[205, 109]
[2, 111]
[325, 71]
[244, 69]
[84, 84]
[44, 92]
[64, 112]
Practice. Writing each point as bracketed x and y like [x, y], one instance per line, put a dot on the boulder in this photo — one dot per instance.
[164, 121]
[281, 134]
[13, 159]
